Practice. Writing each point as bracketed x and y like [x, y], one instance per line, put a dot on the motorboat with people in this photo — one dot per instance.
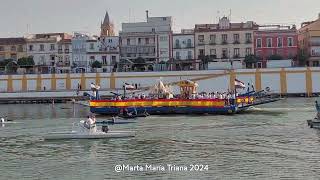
[88, 130]
[315, 123]
[5, 120]
[132, 115]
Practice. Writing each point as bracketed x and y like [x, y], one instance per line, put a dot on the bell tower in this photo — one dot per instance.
[107, 28]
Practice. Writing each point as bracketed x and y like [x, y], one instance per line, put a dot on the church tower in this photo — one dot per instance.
[107, 28]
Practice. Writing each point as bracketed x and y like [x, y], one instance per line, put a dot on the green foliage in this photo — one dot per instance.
[275, 57]
[96, 64]
[5, 62]
[251, 58]
[302, 58]
[25, 61]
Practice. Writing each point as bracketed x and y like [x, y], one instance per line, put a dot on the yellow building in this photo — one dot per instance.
[12, 48]
[309, 41]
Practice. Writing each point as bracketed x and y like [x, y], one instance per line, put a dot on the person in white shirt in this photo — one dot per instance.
[2, 120]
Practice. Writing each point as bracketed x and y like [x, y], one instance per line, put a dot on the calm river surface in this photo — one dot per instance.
[270, 142]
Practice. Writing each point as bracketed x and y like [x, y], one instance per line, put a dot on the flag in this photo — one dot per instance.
[238, 84]
[128, 86]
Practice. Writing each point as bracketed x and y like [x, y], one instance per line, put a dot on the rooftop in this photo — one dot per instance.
[12, 41]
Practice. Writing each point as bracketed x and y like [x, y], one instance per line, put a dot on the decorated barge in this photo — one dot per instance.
[161, 101]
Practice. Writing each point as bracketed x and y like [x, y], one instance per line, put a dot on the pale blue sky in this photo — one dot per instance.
[85, 15]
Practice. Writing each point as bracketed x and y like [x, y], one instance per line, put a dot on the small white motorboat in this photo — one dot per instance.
[89, 133]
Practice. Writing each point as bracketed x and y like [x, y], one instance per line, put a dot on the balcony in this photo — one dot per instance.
[178, 57]
[189, 46]
[224, 42]
[67, 51]
[212, 43]
[236, 42]
[201, 42]
[177, 46]
[248, 41]
[60, 51]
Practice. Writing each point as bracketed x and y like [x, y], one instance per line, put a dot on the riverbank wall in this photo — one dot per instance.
[284, 81]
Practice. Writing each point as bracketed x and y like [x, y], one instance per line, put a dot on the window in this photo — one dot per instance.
[315, 63]
[60, 47]
[128, 41]
[236, 52]
[178, 55]
[139, 41]
[248, 51]
[52, 47]
[30, 47]
[189, 55]
[92, 58]
[269, 42]
[109, 40]
[213, 52]
[41, 47]
[201, 52]
[13, 48]
[113, 60]
[20, 48]
[290, 41]
[104, 60]
[236, 39]
[163, 38]
[224, 38]
[201, 38]
[189, 43]
[212, 39]
[1, 48]
[224, 53]
[280, 42]
[259, 43]
[91, 46]
[52, 57]
[42, 60]
[248, 37]
[147, 40]
[177, 44]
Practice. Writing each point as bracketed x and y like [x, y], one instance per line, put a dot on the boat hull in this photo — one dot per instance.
[166, 110]
[74, 135]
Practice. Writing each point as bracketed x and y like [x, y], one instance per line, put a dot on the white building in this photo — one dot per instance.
[51, 51]
[150, 40]
[183, 50]
[87, 49]
[225, 41]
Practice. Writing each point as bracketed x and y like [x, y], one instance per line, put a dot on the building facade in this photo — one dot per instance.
[224, 41]
[88, 49]
[51, 51]
[183, 50]
[309, 41]
[275, 41]
[148, 41]
[12, 48]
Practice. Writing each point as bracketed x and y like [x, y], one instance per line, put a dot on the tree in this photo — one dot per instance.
[302, 58]
[11, 67]
[4, 62]
[96, 64]
[25, 62]
[251, 58]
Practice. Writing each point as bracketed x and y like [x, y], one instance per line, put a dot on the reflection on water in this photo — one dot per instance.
[269, 142]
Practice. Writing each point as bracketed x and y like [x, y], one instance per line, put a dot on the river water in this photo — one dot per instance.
[269, 142]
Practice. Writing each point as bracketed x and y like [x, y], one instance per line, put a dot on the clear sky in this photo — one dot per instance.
[19, 17]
